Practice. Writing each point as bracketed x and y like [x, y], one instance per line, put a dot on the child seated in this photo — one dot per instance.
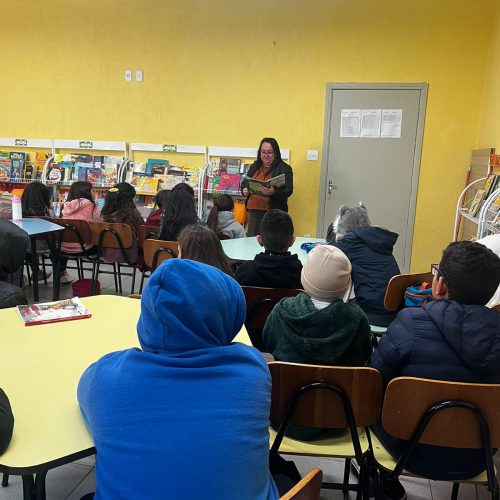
[161, 202]
[453, 338]
[276, 267]
[369, 249]
[221, 218]
[318, 326]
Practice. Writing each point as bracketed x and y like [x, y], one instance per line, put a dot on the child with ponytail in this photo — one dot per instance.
[221, 218]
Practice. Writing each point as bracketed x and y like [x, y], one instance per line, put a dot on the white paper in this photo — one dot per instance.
[370, 122]
[391, 123]
[350, 122]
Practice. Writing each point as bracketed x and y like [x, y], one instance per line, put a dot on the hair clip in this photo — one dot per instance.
[114, 190]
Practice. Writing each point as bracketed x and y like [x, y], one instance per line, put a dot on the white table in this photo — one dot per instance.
[40, 369]
[248, 248]
[35, 228]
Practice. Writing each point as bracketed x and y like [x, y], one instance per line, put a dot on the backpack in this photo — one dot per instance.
[417, 295]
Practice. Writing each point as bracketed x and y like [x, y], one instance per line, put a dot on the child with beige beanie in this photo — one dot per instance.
[319, 326]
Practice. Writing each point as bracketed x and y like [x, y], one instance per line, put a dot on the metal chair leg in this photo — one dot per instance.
[141, 286]
[5, 480]
[347, 468]
[134, 269]
[454, 491]
[115, 276]
[120, 278]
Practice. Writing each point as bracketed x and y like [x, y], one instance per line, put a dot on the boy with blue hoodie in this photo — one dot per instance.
[187, 416]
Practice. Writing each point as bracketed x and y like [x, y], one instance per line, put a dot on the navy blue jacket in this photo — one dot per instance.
[373, 265]
[447, 341]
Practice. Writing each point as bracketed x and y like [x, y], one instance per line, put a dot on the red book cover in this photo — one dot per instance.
[51, 312]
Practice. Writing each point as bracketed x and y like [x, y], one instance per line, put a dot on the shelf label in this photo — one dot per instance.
[85, 145]
[20, 142]
[170, 148]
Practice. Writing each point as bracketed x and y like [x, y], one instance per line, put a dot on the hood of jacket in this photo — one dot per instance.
[377, 238]
[473, 332]
[187, 305]
[225, 219]
[13, 244]
[318, 335]
[278, 266]
[81, 206]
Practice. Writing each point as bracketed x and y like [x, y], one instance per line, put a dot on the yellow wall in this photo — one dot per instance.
[489, 132]
[228, 72]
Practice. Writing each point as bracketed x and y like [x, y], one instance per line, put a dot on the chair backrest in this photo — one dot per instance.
[308, 488]
[156, 251]
[496, 307]
[395, 291]
[75, 231]
[147, 233]
[407, 399]
[322, 408]
[110, 234]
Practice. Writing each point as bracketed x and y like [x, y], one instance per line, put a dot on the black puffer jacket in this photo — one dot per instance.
[280, 197]
[13, 243]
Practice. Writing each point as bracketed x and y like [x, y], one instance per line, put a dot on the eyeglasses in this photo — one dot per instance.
[267, 153]
[436, 272]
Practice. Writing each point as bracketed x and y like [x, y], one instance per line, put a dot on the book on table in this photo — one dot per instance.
[254, 185]
[51, 312]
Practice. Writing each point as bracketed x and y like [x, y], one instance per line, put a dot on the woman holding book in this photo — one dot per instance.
[267, 166]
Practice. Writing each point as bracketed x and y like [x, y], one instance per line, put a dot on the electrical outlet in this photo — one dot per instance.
[128, 75]
[138, 75]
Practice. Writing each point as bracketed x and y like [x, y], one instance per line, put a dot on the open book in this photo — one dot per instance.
[50, 312]
[254, 185]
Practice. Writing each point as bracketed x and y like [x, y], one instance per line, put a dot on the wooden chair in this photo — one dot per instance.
[78, 232]
[308, 488]
[260, 302]
[456, 415]
[114, 235]
[395, 292]
[327, 397]
[155, 252]
[147, 233]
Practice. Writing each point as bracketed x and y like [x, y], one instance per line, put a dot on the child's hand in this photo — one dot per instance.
[267, 191]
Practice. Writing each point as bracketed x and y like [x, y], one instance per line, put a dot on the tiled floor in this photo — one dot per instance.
[72, 481]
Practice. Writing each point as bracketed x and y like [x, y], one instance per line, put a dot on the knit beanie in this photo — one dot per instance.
[326, 275]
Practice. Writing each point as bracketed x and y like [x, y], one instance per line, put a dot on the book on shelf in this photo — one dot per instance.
[39, 164]
[147, 185]
[55, 174]
[170, 181]
[29, 172]
[17, 160]
[51, 312]
[155, 164]
[95, 175]
[229, 182]
[4, 170]
[476, 202]
[254, 185]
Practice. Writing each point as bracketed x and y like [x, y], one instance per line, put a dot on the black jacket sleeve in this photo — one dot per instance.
[6, 422]
[286, 190]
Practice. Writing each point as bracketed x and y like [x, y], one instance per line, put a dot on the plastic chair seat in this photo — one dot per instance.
[385, 461]
[339, 446]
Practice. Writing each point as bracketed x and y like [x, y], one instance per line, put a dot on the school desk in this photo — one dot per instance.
[36, 228]
[40, 369]
[248, 248]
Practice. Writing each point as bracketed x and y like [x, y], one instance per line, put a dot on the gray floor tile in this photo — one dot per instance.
[442, 490]
[84, 487]
[417, 489]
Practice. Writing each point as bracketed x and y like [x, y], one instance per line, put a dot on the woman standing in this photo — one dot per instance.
[268, 164]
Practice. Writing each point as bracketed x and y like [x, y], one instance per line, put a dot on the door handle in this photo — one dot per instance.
[331, 186]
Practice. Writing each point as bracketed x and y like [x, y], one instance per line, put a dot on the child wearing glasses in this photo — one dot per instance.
[454, 338]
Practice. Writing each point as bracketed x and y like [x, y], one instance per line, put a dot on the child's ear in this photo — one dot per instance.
[291, 242]
[259, 240]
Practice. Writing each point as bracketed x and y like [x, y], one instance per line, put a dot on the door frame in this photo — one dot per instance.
[330, 88]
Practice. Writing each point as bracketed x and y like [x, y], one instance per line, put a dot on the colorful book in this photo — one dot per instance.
[16, 168]
[39, 163]
[233, 166]
[55, 174]
[82, 169]
[254, 185]
[476, 202]
[4, 170]
[51, 312]
[17, 155]
[29, 172]
[95, 175]
[229, 182]
[152, 162]
[147, 186]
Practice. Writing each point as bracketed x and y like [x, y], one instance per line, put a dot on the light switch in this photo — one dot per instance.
[128, 75]
[312, 154]
[138, 75]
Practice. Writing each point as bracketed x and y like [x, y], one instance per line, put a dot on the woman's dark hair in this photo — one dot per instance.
[162, 197]
[120, 199]
[222, 203]
[179, 213]
[184, 187]
[81, 189]
[276, 149]
[203, 245]
[35, 200]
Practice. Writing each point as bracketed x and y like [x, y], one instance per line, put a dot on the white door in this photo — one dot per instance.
[377, 165]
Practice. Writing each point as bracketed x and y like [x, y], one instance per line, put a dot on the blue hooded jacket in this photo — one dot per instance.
[187, 417]
[373, 265]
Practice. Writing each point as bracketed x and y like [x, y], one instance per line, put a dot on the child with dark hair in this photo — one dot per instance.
[119, 207]
[276, 267]
[161, 203]
[454, 338]
[179, 213]
[203, 245]
[221, 218]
